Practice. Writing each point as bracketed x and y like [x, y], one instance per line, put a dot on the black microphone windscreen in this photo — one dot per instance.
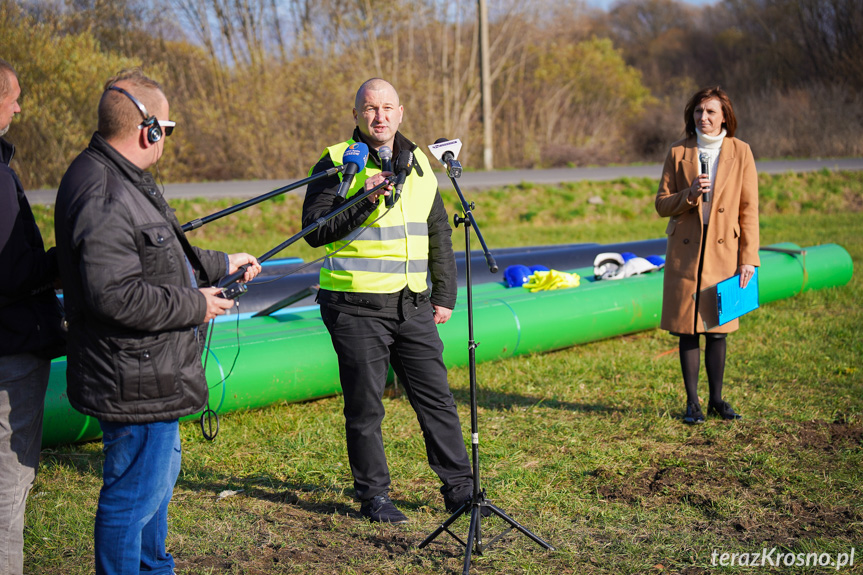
[404, 162]
[347, 179]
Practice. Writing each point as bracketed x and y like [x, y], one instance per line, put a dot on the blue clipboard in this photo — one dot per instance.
[730, 300]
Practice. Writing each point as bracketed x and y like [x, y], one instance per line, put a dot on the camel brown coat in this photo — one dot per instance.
[732, 233]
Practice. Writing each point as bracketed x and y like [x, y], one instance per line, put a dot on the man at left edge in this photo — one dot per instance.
[30, 335]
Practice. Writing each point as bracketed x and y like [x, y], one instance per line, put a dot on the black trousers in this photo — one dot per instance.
[366, 346]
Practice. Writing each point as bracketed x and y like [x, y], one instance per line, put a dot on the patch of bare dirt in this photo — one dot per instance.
[853, 201]
[799, 520]
[829, 436]
[707, 476]
[320, 541]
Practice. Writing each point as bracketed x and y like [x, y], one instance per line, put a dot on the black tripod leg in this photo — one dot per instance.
[473, 532]
[516, 525]
[445, 526]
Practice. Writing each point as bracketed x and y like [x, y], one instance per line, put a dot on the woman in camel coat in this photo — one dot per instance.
[712, 235]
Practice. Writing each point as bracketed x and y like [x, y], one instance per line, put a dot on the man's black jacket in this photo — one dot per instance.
[133, 312]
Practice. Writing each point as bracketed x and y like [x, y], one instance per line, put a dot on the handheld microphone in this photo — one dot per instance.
[354, 159]
[403, 168]
[386, 156]
[705, 169]
[385, 153]
[446, 151]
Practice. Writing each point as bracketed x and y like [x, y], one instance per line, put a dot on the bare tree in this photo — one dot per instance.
[832, 34]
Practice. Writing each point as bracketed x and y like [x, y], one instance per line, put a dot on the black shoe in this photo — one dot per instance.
[453, 505]
[693, 414]
[379, 509]
[723, 410]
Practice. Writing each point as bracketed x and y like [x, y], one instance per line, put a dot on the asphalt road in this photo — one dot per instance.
[479, 180]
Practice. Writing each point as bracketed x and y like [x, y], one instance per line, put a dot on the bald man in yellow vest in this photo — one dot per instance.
[378, 309]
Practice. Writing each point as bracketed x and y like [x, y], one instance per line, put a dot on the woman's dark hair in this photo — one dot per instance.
[730, 123]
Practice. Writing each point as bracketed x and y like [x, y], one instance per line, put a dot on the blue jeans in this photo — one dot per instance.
[142, 463]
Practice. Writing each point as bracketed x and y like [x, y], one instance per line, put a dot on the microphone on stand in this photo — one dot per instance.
[354, 159]
[446, 151]
[705, 169]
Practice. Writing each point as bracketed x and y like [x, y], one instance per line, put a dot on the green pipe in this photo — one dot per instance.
[279, 358]
[289, 357]
[597, 310]
[61, 422]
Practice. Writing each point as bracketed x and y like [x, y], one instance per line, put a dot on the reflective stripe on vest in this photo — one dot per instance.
[383, 255]
[373, 265]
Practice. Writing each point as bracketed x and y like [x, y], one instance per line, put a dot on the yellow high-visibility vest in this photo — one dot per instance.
[386, 255]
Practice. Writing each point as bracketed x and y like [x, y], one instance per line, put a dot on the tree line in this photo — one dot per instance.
[260, 87]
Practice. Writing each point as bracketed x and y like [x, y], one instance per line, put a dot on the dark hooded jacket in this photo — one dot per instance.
[30, 318]
[134, 313]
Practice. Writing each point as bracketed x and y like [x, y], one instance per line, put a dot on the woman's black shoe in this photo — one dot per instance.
[723, 410]
[693, 414]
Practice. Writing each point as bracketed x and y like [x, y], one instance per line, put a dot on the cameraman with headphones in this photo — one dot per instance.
[137, 301]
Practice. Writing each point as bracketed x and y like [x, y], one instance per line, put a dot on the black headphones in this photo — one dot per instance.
[151, 124]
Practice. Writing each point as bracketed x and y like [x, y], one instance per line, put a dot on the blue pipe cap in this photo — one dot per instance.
[516, 275]
[658, 261]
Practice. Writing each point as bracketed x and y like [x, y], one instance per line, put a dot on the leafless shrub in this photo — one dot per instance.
[652, 135]
[810, 121]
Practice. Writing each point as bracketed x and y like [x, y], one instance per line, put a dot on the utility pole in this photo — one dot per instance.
[485, 84]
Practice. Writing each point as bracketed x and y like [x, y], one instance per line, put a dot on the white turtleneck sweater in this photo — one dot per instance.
[710, 145]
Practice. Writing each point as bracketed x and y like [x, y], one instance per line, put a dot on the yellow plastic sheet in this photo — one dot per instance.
[552, 279]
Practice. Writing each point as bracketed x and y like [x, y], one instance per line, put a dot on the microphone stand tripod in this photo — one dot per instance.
[477, 504]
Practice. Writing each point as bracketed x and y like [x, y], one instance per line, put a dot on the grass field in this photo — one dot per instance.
[584, 446]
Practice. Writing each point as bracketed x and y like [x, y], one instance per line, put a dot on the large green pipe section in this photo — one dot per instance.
[288, 356]
[509, 322]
